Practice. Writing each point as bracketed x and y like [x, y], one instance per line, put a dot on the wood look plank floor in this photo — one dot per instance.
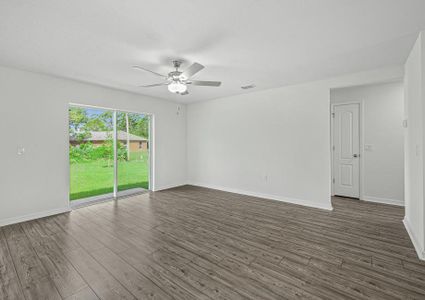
[197, 243]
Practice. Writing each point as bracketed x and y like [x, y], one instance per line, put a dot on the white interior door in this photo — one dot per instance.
[346, 149]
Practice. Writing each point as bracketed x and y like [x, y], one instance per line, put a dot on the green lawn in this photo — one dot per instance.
[96, 177]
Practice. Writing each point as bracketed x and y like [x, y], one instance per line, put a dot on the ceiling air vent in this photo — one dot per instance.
[246, 87]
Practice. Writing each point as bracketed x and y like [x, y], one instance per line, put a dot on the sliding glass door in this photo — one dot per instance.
[133, 151]
[91, 152]
[108, 152]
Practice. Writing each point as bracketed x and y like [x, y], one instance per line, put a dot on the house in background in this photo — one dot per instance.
[137, 143]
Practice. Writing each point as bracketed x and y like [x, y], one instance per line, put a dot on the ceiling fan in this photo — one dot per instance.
[177, 81]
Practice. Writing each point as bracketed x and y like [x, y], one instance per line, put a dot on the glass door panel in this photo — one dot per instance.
[132, 151]
[91, 152]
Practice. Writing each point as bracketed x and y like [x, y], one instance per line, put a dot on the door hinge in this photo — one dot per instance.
[333, 180]
[333, 115]
[333, 148]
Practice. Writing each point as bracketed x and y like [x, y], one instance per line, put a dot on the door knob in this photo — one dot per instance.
[355, 155]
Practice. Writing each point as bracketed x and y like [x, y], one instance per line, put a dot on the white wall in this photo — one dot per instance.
[414, 137]
[34, 115]
[273, 143]
[261, 143]
[382, 116]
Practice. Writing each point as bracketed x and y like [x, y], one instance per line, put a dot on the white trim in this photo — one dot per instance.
[266, 196]
[108, 108]
[331, 146]
[91, 200]
[383, 200]
[151, 151]
[419, 251]
[168, 186]
[33, 216]
[361, 150]
[75, 204]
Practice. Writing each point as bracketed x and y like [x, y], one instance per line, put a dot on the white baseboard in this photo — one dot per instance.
[33, 216]
[169, 186]
[383, 200]
[266, 196]
[419, 250]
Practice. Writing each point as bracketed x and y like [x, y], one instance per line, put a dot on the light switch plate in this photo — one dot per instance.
[368, 147]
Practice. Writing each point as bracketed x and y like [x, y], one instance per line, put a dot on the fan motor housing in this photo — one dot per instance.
[174, 75]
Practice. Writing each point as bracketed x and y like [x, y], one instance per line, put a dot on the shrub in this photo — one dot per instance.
[86, 152]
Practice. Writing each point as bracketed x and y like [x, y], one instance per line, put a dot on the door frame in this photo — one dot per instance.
[151, 147]
[361, 144]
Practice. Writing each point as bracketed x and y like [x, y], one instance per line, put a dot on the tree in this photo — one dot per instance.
[81, 124]
[141, 126]
[77, 121]
[138, 123]
[106, 118]
[96, 124]
[77, 118]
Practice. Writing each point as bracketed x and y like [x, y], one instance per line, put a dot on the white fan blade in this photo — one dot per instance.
[192, 70]
[153, 85]
[205, 83]
[147, 70]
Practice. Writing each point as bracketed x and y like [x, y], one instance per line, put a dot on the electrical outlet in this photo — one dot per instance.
[20, 150]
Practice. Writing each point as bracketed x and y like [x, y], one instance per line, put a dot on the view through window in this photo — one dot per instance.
[92, 153]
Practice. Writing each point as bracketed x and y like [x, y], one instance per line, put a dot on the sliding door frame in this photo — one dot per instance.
[151, 147]
[115, 144]
[151, 143]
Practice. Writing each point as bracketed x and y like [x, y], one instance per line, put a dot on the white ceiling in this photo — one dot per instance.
[268, 43]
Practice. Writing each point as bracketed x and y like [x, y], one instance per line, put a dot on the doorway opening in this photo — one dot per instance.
[109, 153]
[367, 142]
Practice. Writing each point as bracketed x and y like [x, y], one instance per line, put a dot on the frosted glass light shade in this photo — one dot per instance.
[177, 87]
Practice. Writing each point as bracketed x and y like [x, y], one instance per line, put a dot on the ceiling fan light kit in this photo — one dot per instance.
[177, 81]
[177, 87]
